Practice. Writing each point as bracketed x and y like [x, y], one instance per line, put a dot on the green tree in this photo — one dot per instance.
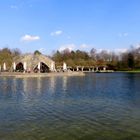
[6, 57]
[130, 60]
[37, 52]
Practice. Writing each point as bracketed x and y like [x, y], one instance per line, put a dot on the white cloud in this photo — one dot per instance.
[67, 46]
[123, 34]
[137, 46]
[42, 50]
[56, 33]
[118, 50]
[84, 46]
[121, 50]
[73, 46]
[107, 50]
[28, 38]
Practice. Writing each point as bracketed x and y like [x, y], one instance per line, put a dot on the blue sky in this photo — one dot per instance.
[49, 25]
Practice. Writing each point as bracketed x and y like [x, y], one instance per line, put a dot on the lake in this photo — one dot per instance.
[100, 106]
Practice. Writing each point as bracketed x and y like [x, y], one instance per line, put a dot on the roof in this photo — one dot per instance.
[32, 60]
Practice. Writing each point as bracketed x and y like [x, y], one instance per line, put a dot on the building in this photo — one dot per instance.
[33, 63]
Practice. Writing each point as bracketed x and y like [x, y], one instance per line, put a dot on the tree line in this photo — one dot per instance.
[7, 56]
[129, 60]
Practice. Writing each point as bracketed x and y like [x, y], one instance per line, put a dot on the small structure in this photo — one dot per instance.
[4, 66]
[14, 66]
[64, 66]
[33, 63]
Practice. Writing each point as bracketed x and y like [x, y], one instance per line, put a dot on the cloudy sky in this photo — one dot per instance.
[49, 25]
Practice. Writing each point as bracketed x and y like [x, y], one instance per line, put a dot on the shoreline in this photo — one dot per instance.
[127, 71]
[54, 74]
[32, 75]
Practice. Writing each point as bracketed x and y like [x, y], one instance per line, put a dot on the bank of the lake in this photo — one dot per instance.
[29, 75]
[130, 71]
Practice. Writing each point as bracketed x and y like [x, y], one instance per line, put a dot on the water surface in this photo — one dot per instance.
[99, 106]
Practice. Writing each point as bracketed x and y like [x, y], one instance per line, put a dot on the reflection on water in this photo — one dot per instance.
[64, 82]
[52, 84]
[97, 106]
[25, 85]
[39, 81]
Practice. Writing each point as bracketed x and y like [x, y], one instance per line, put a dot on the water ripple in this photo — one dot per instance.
[97, 106]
